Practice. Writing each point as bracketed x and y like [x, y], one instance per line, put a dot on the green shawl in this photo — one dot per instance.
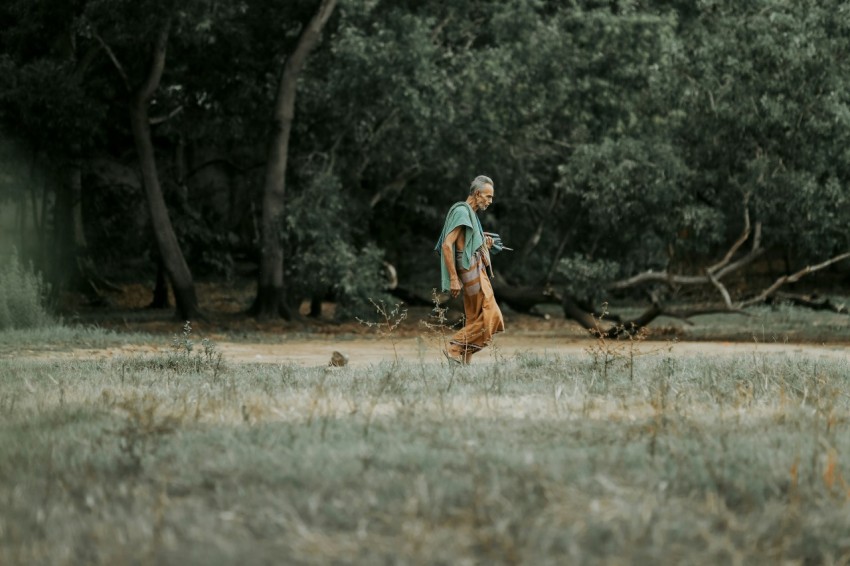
[460, 214]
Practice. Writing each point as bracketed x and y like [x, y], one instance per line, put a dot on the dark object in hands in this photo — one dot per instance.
[497, 243]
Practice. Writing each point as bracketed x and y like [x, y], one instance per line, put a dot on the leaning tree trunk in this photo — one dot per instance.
[169, 248]
[271, 290]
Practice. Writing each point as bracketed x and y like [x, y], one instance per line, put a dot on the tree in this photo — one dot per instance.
[50, 110]
[172, 257]
[764, 136]
[656, 148]
[617, 155]
[63, 85]
[160, 19]
[271, 297]
[752, 97]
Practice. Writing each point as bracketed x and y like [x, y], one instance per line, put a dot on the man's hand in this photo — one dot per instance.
[455, 286]
[488, 241]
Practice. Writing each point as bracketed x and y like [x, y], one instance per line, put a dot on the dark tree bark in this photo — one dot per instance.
[63, 253]
[271, 290]
[68, 250]
[160, 290]
[524, 299]
[77, 267]
[599, 327]
[175, 264]
[315, 306]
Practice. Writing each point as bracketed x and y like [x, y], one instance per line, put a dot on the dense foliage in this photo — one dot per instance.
[622, 136]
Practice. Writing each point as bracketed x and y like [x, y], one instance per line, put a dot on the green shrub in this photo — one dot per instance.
[22, 296]
[331, 262]
[361, 283]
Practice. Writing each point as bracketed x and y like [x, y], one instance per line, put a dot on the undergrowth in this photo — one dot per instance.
[23, 296]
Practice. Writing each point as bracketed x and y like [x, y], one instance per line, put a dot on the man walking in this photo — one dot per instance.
[465, 251]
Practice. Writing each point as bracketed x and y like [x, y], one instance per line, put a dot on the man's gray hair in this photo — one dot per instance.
[479, 182]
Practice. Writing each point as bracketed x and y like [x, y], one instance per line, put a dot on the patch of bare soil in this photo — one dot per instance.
[225, 306]
[311, 341]
[312, 351]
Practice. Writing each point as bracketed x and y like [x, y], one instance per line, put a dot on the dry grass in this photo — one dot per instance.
[184, 458]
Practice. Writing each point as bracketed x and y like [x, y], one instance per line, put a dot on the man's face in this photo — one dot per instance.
[484, 197]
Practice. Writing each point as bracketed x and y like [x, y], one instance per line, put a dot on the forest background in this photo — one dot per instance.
[670, 152]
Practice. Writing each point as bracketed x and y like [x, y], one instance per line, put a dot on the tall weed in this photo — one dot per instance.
[22, 296]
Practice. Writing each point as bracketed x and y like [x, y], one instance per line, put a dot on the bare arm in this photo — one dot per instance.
[454, 238]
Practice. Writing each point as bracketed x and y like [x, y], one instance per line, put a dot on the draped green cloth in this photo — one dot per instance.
[461, 214]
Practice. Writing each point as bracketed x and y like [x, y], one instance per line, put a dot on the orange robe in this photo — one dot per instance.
[483, 317]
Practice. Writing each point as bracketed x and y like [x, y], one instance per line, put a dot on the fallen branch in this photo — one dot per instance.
[754, 253]
[524, 299]
[812, 302]
[723, 292]
[589, 322]
[686, 313]
[663, 277]
[713, 274]
[793, 278]
[745, 234]
[737, 307]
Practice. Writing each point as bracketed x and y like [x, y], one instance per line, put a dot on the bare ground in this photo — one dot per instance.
[311, 342]
[364, 350]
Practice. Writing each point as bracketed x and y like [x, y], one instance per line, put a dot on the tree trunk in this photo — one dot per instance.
[315, 306]
[271, 291]
[160, 290]
[169, 248]
[62, 256]
[76, 268]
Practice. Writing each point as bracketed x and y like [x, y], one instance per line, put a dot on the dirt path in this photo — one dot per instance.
[364, 351]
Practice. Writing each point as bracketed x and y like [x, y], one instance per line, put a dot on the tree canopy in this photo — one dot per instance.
[624, 137]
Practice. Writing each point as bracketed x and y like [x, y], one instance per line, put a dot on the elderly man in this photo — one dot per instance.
[465, 251]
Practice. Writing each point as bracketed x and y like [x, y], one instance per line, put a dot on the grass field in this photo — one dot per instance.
[188, 458]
